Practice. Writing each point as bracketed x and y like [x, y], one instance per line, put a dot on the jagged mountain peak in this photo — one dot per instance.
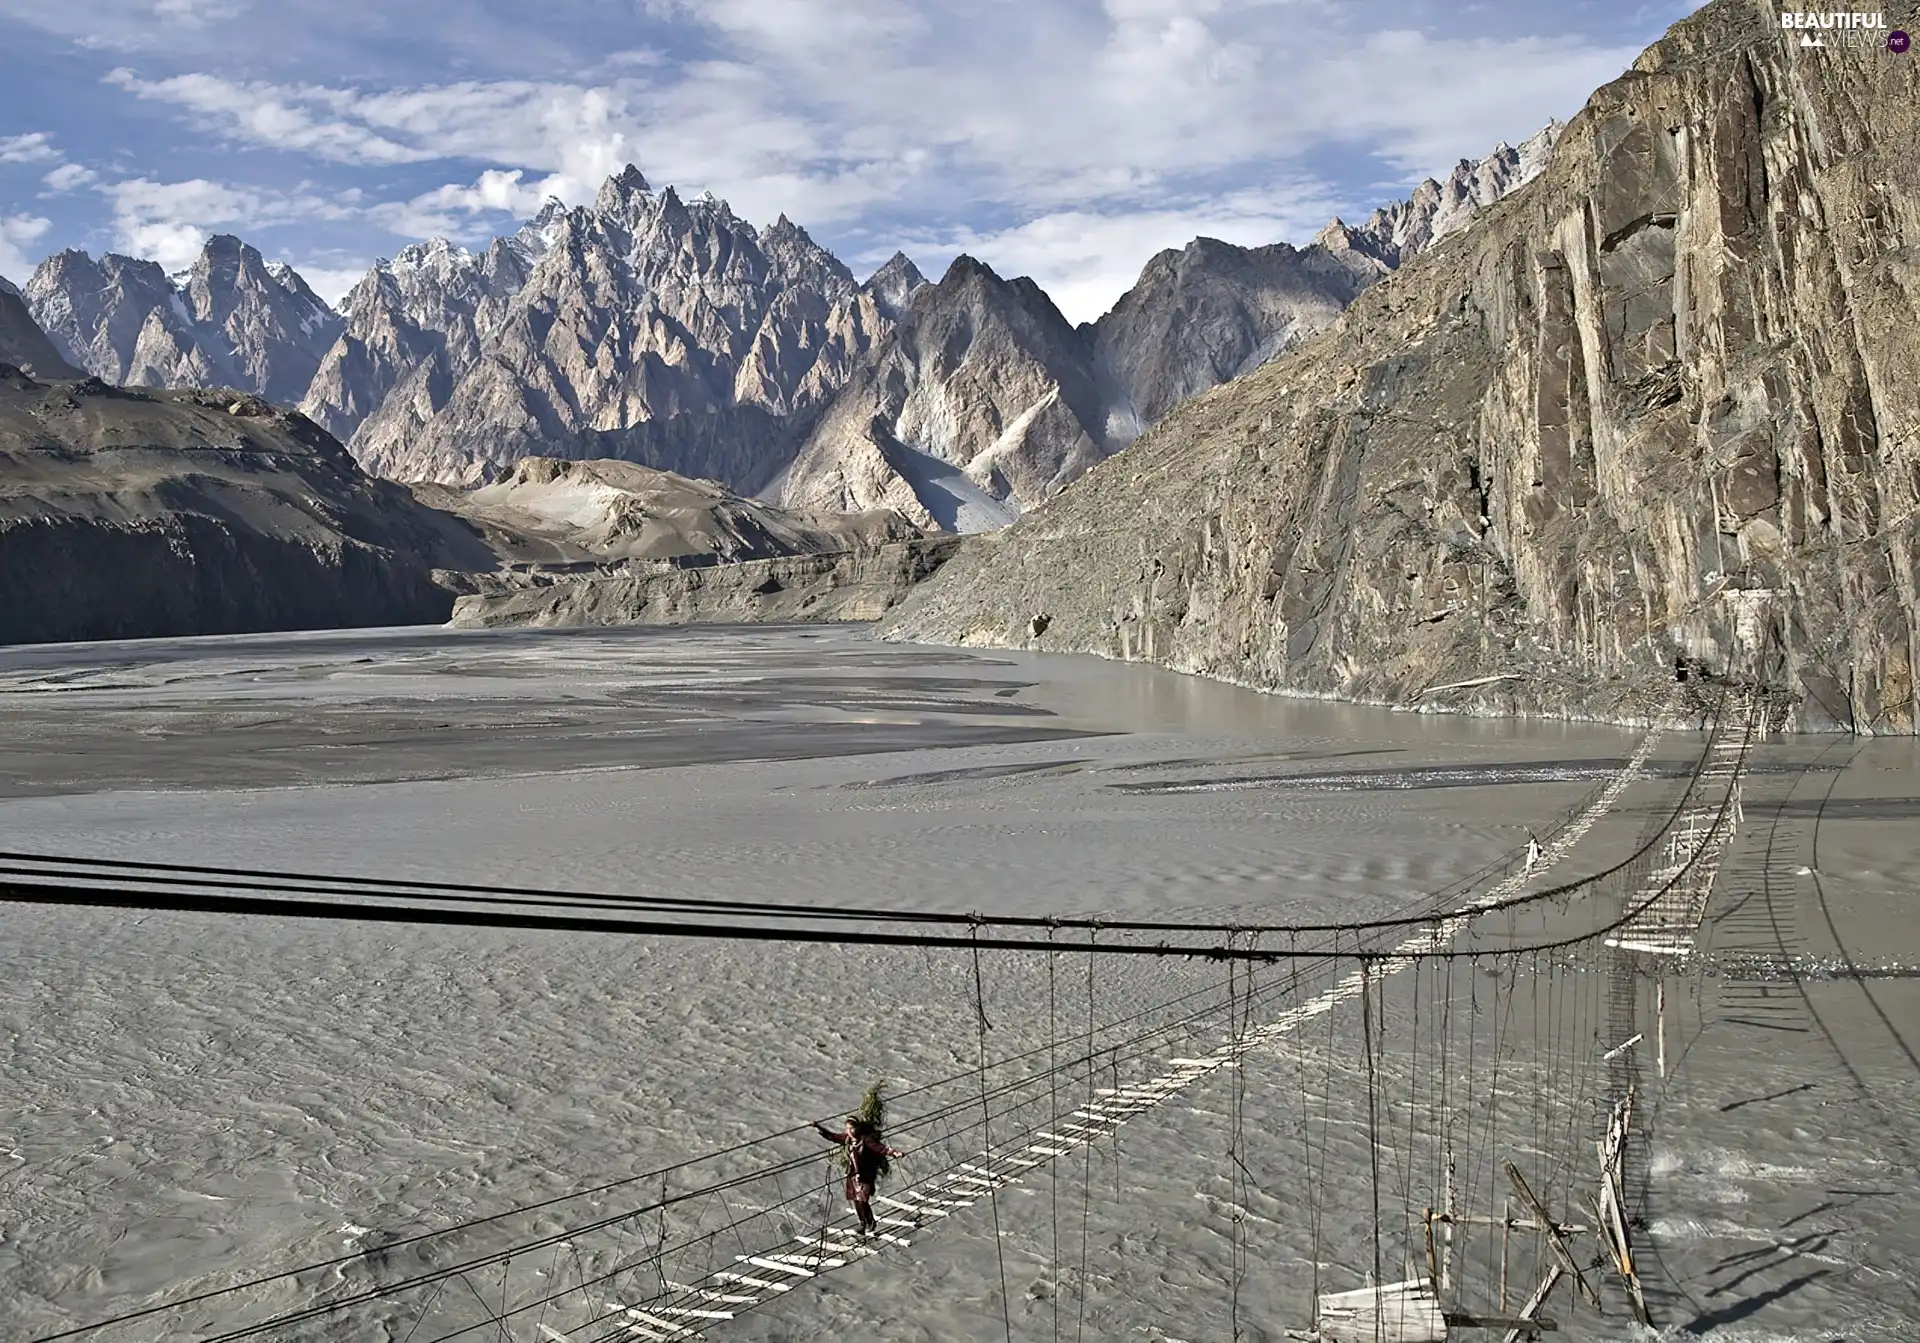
[1436, 208]
[416, 252]
[70, 260]
[1535, 474]
[221, 246]
[783, 232]
[897, 268]
[23, 344]
[967, 267]
[892, 287]
[623, 196]
[289, 279]
[225, 262]
[798, 261]
[438, 257]
[629, 181]
[970, 283]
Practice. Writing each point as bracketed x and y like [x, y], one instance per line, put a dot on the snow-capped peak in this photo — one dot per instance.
[436, 254]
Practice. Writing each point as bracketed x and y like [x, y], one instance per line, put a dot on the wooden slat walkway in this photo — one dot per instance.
[691, 1310]
[1680, 886]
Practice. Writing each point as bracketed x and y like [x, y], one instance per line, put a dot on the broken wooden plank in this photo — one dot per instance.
[1556, 1241]
[1539, 1298]
[1391, 1312]
[1460, 1319]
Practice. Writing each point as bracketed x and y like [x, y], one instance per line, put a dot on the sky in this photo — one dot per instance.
[1069, 140]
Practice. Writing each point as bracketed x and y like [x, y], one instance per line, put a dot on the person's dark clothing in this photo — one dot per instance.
[864, 1152]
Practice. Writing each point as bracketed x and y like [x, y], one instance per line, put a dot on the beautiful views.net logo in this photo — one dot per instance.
[1844, 30]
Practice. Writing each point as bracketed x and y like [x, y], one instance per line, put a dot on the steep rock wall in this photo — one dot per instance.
[1658, 410]
[849, 585]
[127, 514]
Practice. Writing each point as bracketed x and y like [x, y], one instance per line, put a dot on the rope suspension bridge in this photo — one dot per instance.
[1512, 1099]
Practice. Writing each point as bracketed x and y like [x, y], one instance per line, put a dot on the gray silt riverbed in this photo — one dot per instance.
[193, 1100]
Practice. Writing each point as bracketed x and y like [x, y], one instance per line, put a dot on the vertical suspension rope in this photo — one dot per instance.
[1444, 1167]
[826, 1207]
[660, 1246]
[1326, 1133]
[427, 1309]
[986, 1123]
[506, 1267]
[553, 1275]
[1373, 1120]
[1407, 1156]
[1306, 1137]
[1053, 1085]
[1235, 1209]
[1086, 1154]
[1241, 1252]
[1544, 1044]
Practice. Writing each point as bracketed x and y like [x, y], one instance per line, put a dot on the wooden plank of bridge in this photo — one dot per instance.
[654, 1326]
[762, 1283]
[934, 1199]
[1461, 1319]
[1531, 1310]
[710, 1295]
[1392, 1312]
[1556, 1240]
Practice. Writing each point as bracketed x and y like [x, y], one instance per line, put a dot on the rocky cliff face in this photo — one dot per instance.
[673, 334]
[985, 402]
[554, 512]
[23, 344]
[232, 320]
[1400, 232]
[1661, 407]
[847, 585]
[650, 329]
[414, 326]
[129, 514]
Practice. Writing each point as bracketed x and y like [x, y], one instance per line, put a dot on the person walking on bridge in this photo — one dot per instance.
[867, 1155]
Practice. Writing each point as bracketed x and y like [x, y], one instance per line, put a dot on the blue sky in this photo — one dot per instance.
[1066, 139]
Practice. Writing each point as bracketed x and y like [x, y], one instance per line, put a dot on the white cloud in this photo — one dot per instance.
[331, 283]
[452, 210]
[270, 116]
[1086, 260]
[171, 221]
[69, 177]
[197, 13]
[17, 233]
[33, 147]
[1058, 136]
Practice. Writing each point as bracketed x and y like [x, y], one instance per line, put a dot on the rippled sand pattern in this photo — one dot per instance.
[195, 1099]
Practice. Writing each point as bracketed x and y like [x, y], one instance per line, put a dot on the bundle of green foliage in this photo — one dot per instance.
[871, 1120]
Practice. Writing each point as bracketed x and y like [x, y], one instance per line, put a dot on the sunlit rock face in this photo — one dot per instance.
[646, 328]
[233, 319]
[985, 402]
[1659, 407]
